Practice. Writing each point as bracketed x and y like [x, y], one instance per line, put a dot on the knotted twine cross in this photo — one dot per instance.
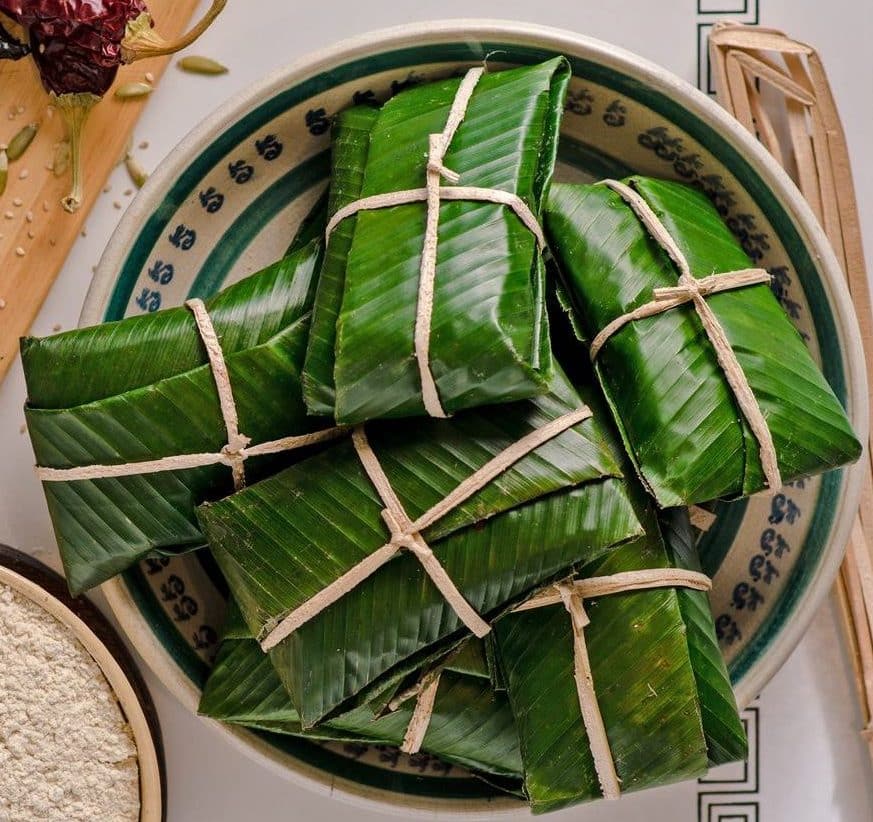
[433, 194]
[405, 534]
[693, 290]
[572, 595]
[237, 449]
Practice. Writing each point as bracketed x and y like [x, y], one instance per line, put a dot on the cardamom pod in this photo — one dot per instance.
[19, 143]
[137, 173]
[129, 91]
[201, 65]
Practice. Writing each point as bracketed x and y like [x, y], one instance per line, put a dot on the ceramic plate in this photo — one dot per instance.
[226, 203]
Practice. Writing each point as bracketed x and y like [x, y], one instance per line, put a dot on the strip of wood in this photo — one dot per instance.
[819, 162]
[36, 234]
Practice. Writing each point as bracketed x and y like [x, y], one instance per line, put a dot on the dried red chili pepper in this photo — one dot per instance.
[79, 46]
[10, 47]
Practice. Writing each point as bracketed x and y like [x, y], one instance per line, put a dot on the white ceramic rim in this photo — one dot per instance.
[566, 42]
[147, 756]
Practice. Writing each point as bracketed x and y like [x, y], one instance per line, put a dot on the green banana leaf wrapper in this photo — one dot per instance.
[661, 683]
[285, 539]
[489, 334]
[140, 389]
[677, 415]
[471, 726]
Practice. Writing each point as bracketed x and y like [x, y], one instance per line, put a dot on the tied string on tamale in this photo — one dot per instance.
[572, 595]
[694, 291]
[234, 453]
[433, 194]
[425, 692]
[406, 534]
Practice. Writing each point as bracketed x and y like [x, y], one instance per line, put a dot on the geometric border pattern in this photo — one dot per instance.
[730, 793]
[742, 11]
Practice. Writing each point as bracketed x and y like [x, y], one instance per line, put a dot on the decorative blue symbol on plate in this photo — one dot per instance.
[161, 272]
[240, 171]
[183, 237]
[746, 596]
[614, 115]
[149, 300]
[727, 630]
[211, 199]
[269, 147]
[580, 102]
[761, 568]
[364, 98]
[204, 637]
[783, 508]
[774, 543]
[317, 121]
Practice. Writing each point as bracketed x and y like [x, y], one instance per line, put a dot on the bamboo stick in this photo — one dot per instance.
[740, 56]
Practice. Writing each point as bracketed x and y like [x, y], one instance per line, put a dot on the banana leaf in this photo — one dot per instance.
[350, 140]
[105, 525]
[471, 726]
[677, 415]
[489, 334]
[89, 364]
[661, 684]
[312, 227]
[283, 540]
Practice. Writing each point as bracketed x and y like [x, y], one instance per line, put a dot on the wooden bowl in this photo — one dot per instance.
[41, 585]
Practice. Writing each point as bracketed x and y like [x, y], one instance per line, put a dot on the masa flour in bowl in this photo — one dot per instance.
[66, 750]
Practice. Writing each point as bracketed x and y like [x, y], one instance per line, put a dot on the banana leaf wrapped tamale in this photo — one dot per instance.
[711, 386]
[658, 702]
[470, 726]
[432, 297]
[313, 558]
[116, 412]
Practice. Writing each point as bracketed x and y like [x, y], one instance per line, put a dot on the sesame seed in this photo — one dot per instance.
[22, 429]
[9, 215]
[18, 202]
[149, 77]
[107, 189]
[128, 192]
[29, 216]
[2, 303]
[30, 235]
[23, 174]
[56, 327]
[45, 205]
[20, 251]
[117, 205]
[144, 145]
[19, 110]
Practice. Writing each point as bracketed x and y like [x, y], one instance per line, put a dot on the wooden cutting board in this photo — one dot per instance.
[31, 217]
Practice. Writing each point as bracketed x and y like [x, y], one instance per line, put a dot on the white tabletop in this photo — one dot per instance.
[808, 763]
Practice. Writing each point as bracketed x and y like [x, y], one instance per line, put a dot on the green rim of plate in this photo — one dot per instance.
[309, 173]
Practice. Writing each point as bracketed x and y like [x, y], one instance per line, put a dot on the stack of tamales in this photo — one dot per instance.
[434, 537]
